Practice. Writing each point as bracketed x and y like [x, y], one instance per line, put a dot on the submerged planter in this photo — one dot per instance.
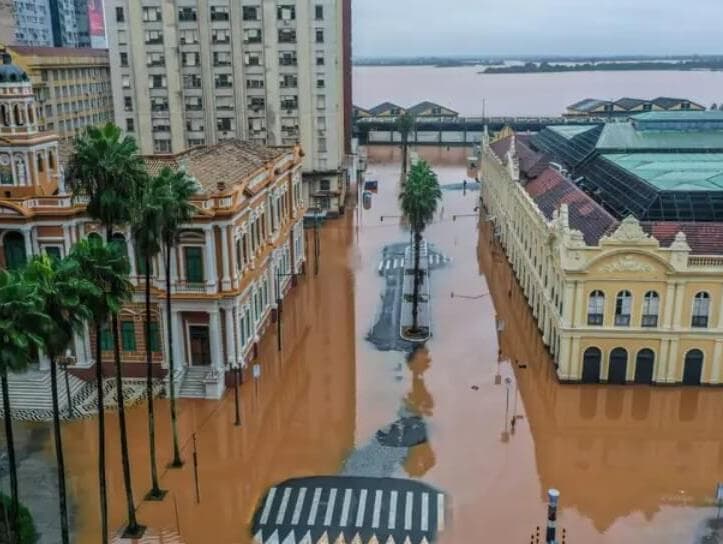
[423, 330]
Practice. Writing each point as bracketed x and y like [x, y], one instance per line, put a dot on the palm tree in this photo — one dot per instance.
[106, 267]
[177, 210]
[104, 168]
[146, 229]
[405, 124]
[20, 315]
[63, 290]
[419, 201]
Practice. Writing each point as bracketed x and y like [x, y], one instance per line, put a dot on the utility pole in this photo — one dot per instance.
[317, 248]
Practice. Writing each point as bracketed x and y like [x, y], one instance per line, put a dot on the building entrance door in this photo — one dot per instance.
[200, 345]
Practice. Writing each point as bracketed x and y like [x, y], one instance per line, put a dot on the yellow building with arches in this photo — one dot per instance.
[617, 299]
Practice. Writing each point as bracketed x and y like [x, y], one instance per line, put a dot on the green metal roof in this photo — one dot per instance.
[570, 131]
[683, 116]
[623, 137]
[675, 171]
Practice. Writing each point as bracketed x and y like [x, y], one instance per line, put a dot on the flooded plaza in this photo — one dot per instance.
[633, 464]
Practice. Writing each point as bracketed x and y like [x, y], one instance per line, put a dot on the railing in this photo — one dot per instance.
[189, 287]
[709, 260]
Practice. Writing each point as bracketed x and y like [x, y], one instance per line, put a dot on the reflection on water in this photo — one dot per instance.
[634, 464]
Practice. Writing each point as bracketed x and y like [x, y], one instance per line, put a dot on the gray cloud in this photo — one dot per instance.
[494, 27]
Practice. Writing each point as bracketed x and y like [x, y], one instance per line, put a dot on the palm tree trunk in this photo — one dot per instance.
[156, 493]
[405, 152]
[133, 528]
[64, 532]
[101, 433]
[12, 463]
[177, 461]
[415, 300]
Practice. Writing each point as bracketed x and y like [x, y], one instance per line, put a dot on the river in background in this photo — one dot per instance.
[463, 89]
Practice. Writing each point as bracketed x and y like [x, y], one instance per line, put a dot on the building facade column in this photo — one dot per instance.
[669, 303]
[215, 338]
[27, 236]
[225, 277]
[179, 341]
[564, 363]
[209, 255]
[672, 366]
[229, 341]
[715, 374]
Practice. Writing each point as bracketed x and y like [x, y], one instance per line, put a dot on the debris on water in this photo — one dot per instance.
[403, 433]
[475, 387]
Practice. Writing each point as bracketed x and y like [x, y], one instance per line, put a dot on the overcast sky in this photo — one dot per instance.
[494, 27]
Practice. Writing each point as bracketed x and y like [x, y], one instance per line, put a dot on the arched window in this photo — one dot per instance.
[693, 367]
[617, 372]
[701, 309]
[591, 365]
[14, 249]
[41, 163]
[19, 117]
[651, 309]
[51, 160]
[31, 114]
[623, 305]
[5, 114]
[596, 308]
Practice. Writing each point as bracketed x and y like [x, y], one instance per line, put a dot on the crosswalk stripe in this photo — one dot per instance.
[393, 510]
[377, 509]
[314, 506]
[408, 511]
[425, 512]
[267, 506]
[299, 504]
[440, 512]
[345, 508]
[362, 507]
[282, 509]
[330, 507]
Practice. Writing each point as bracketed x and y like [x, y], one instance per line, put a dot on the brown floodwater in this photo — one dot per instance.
[634, 465]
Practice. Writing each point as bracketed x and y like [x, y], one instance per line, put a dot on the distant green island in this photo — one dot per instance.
[547, 67]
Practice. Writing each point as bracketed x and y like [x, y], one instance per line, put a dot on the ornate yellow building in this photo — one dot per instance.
[235, 259]
[617, 299]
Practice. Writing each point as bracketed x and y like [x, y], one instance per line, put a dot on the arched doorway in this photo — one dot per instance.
[591, 365]
[14, 249]
[644, 363]
[693, 368]
[618, 366]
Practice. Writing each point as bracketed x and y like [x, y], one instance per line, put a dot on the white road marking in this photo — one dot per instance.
[362, 507]
[299, 506]
[408, 511]
[345, 508]
[314, 506]
[440, 512]
[282, 509]
[425, 511]
[330, 507]
[267, 506]
[393, 511]
[377, 509]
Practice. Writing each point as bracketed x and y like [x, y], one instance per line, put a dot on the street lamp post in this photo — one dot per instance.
[66, 361]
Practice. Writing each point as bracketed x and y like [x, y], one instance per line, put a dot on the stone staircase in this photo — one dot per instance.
[30, 390]
[192, 384]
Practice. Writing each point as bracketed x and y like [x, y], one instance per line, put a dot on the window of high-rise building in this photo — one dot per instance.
[128, 103]
[223, 81]
[288, 81]
[221, 36]
[252, 35]
[130, 124]
[219, 13]
[222, 58]
[190, 59]
[151, 14]
[187, 14]
[157, 81]
[289, 102]
[319, 35]
[250, 13]
[155, 59]
[193, 103]
[192, 81]
[254, 83]
[286, 13]
[287, 58]
[253, 59]
[159, 103]
[123, 59]
[320, 83]
[120, 16]
[187, 36]
[223, 124]
[161, 146]
[287, 35]
[154, 37]
[319, 13]
[319, 59]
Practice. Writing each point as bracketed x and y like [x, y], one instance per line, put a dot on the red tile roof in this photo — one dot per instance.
[551, 189]
[703, 238]
[532, 163]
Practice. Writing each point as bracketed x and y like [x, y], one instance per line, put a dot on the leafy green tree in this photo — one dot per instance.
[418, 201]
[107, 267]
[63, 290]
[104, 169]
[177, 210]
[405, 125]
[21, 317]
[146, 221]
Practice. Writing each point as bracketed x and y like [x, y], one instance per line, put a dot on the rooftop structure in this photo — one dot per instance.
[422, 110]
[595, 107]
[657, 166]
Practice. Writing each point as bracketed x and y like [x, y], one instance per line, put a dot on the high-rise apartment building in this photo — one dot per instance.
[71, 86]
[51, 23]
[276, 72]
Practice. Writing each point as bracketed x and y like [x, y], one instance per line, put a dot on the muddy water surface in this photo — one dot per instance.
[634, 465]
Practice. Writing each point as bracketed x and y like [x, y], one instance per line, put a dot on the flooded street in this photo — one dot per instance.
[633, 464]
